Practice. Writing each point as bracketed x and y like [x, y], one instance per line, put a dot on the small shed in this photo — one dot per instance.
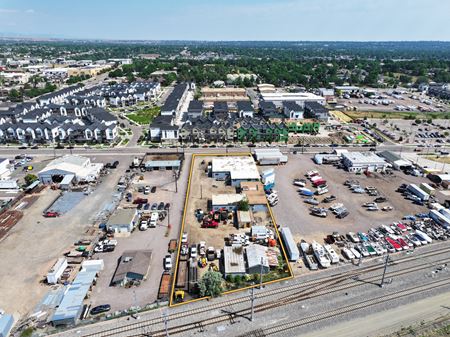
[233, 259]
[244, 219]
[122, 221]
[257, 260]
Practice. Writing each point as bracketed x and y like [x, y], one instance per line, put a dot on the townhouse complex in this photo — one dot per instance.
[73, 114]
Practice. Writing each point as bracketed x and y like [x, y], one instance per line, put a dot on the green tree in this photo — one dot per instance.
[243, 205]
[30, 178]
[211, 284]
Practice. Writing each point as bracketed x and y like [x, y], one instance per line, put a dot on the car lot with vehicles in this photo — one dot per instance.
[294, 211]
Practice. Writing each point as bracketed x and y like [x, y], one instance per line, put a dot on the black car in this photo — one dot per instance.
[115, 164]
[100, 308]
[342, 215]
[153, 189]
[161, 206]
[251, 145]
[167, 206]
[139, 206]
[154, 206]
[23, 147]
[129, 196]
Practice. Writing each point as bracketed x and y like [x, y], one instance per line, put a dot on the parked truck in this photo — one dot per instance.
[418, 192]
[181, 282]
[210, 254]
[172, 246]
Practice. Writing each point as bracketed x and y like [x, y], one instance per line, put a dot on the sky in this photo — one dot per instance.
[311, 20]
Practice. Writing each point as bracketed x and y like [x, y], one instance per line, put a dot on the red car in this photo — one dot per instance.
[402, 227]
[51, 214]
[403, 243]
[394, 244]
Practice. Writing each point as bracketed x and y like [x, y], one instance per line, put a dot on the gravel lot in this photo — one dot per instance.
[36, 242]
[154, 238]
[294, 213]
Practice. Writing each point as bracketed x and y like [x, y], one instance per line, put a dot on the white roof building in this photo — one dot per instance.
[80, 167]
[238, 168]
[299, 97]
[364, 161]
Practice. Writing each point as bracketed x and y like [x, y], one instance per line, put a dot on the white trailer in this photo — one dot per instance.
[55, 273]
[440, 218]
[289, 244]
[418, 192]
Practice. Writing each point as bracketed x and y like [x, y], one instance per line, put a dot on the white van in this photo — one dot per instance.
[153, 219]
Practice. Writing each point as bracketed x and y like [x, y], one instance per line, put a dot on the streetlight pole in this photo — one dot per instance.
[252, 299]
[261, 273]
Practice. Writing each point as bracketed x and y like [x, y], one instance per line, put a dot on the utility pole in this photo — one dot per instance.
[176, 180]
[384, 271]
[252, 299]
[261, 273]
[166, 322]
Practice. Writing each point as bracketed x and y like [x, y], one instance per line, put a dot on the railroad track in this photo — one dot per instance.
[289, 299]
[282, 328]
[325, 281]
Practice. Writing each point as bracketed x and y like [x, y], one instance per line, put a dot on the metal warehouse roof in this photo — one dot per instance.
[233, 260]
[163, 163]
[226, 199]
[238, 167]
[72, 302]
[254, 255]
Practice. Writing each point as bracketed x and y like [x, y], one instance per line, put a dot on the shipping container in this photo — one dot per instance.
[427, 188]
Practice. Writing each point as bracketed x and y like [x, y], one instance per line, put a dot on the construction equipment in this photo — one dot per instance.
[179, 296]
[213, 267]
[202, 262]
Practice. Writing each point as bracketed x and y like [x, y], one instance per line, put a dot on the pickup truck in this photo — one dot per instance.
[210, 254]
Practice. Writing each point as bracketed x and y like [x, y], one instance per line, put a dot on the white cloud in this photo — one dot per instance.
[7, 11]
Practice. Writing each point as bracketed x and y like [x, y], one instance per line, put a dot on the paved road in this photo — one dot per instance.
[136, 150]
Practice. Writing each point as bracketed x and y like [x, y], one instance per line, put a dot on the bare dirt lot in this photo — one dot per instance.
[292, 212]
[34, 244]
[154, 239]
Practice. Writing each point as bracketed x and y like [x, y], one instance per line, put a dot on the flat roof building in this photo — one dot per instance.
[228, 201]
[235, 168]
[299, 97]
[364, 161]
[257, 260]
[122, 220]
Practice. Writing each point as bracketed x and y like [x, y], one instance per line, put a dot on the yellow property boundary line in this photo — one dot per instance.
[172, 290]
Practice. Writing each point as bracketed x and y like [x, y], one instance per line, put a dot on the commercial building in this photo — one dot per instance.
[269, 156]
[234, 169]
[155, 165]
[299, 97]
[364, 161]
[80, 167]
[233, 260]
[225, 201]
[122, 220]
[133, 267]
[211, 95]
[395, 160]
[5, 168]
[71, 306]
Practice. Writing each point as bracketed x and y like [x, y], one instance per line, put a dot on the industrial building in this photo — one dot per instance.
[225, 201]
[358, 162]
[155, 165]
[71, 306]
[234, 169]
[395, 160]
[79, 167]
[133, 267]
[122, 220]
[270, 156]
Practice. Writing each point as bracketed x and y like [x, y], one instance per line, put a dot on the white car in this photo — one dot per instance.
[193, 252]
[184, 238]
[168, 262]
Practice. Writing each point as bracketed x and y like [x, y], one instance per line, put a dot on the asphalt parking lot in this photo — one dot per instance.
[153, 238]
[292, 212]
